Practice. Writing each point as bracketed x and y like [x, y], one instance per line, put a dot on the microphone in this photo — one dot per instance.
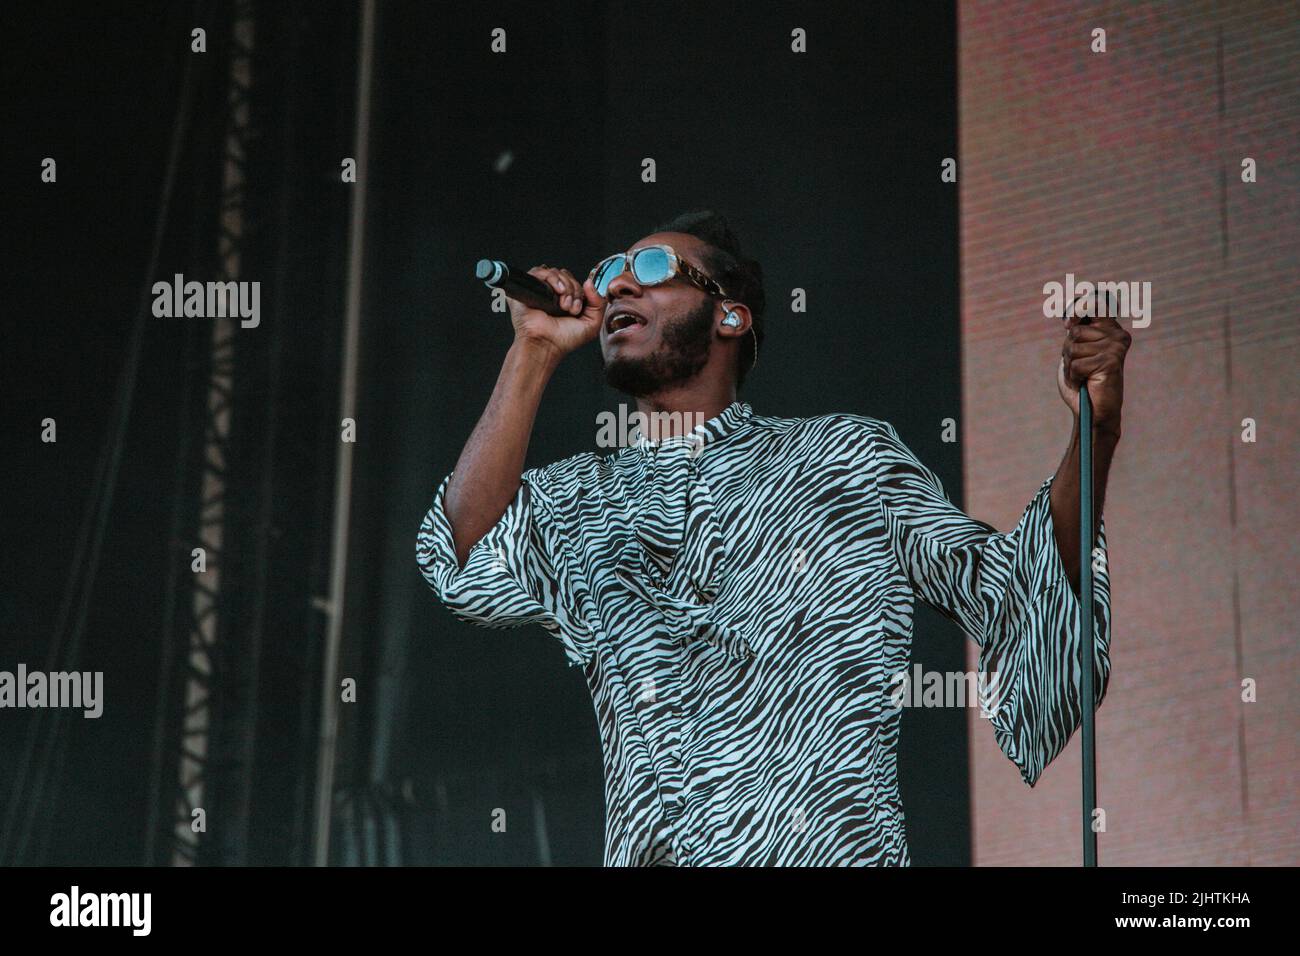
[520, 286]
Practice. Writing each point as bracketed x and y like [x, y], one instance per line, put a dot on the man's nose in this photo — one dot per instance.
[623, 284]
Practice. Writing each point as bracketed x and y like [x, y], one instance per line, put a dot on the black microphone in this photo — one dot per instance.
[520, 286]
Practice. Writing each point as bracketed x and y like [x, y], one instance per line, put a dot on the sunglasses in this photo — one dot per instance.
[651, 265]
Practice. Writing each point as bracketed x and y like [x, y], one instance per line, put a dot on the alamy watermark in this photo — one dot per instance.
[77, 689]
[922, 688]
[75, 908]
[1117, 300]
[208, 300]
[618, 430]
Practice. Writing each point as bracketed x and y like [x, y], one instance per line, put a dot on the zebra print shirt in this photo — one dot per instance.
[739, 600]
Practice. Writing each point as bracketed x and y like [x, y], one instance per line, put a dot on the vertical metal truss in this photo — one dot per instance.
[203, 673]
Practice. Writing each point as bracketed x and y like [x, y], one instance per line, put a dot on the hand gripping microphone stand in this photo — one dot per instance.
[1087, 644]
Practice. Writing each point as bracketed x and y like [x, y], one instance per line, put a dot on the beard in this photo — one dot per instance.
[681, 355]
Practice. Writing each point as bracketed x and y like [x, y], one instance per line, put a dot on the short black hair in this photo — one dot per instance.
[728, 266]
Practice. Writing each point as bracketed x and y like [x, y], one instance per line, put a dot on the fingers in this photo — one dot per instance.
[1084, 311]
[1082, 350]
[1077, 312]
[1087, 339]
[1108, 323]
[593, 298]
[1079, 370]
[1103, 340]
[567, 289]
[1087, 312]
[1090, 357]
[1062, 380]
[1088, 333]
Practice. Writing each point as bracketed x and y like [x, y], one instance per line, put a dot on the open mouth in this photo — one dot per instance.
[622, 321]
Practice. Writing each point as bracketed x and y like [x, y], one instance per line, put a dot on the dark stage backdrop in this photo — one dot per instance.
[828, 165]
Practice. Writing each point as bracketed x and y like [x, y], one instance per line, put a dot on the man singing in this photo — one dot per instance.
[739, 595]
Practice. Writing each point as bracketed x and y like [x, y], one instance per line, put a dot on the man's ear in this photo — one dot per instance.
[741, 312]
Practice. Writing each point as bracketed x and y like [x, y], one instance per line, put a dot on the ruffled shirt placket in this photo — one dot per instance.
[678, 568]
[682, 555]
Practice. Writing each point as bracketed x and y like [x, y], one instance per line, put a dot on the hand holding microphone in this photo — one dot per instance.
[548, 305]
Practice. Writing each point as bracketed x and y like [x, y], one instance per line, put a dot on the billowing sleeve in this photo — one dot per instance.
[516, 574]
[1009, 592]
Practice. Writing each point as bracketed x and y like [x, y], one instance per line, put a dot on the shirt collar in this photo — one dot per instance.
[727, 421]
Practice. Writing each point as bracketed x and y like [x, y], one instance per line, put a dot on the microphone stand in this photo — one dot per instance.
[1087, 644]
